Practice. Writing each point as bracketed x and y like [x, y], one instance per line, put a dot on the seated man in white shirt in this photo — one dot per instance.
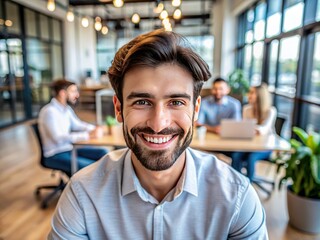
[59, 127]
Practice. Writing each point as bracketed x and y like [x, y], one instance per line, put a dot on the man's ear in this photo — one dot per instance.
[117, 108]
[197, 108]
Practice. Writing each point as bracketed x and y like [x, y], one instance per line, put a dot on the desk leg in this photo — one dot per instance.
[74, 163]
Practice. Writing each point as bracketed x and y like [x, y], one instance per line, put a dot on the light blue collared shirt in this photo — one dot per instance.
[211, 112]
[210, 201]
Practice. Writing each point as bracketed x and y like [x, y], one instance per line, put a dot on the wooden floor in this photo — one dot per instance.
[20, 173]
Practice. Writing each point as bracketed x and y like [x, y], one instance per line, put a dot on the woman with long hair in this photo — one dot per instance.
[259, 107]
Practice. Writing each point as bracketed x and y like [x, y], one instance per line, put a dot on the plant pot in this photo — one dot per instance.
[304, 213]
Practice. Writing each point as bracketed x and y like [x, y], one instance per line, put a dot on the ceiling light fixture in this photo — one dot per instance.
[98, 24]
[104, 30]
[85, 22]
[118, 3]
[176, 3]
[51, 5]
[70, 15]
[177, 14]
[163, 14]
[135, 18]
[158, 8]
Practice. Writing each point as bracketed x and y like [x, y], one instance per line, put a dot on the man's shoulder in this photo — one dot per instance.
[216, 169]
[109, 165]
[233, 100]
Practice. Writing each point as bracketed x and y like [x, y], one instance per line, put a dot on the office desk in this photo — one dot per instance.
[212, 142]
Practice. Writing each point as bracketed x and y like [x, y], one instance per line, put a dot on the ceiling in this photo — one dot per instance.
[199, 9]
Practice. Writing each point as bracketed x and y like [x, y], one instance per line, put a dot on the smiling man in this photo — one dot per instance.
[158, 188]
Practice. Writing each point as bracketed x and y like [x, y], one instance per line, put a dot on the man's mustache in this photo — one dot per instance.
[148, 130]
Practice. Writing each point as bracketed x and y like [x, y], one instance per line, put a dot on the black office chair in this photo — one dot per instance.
[56, 188]
[260, 182]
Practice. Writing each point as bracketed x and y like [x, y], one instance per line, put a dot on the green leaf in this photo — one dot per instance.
[313, 141]
[315, 167]
[301, 134]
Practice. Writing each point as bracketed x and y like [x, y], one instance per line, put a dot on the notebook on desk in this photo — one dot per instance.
[238, 129]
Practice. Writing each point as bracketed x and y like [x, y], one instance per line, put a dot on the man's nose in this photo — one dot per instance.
[159, 119]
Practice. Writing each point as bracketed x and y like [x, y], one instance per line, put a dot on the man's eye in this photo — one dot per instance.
[141, 102]
[177, 103]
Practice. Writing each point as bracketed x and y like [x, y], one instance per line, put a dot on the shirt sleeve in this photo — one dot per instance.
[68, 219]
[77, 124]
[250, 221]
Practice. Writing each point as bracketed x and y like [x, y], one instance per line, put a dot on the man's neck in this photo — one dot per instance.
[159, 183]
[61, 100]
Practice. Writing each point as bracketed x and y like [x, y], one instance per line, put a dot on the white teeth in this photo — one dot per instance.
[158, 140]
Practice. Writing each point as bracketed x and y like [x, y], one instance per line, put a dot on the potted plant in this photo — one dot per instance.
[110, 122]
[239, 85]
[302, 171]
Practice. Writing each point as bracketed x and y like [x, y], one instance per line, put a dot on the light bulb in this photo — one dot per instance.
[159, 8]
[8, 23]
[97, 24]
[51, 5]
[85, 22]
[104, 30]
[70, 16]
[135, 18]
[177, 14]
[176, 3]
[163, 14]
[118, 3]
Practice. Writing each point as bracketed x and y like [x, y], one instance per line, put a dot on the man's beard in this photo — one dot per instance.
[72, 104]
[158, 160]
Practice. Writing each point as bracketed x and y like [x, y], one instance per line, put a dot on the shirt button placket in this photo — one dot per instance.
[158, 223]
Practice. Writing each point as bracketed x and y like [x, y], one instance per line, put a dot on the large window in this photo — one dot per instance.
[30, 58]
[286, 58]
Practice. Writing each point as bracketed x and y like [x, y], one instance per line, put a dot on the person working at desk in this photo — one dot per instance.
[158, 187]
[59, 127]
[260, 109]
[218, 106]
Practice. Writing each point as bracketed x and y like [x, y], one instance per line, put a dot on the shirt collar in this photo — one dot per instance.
[58, 105]
[223, 102]
[187, 182]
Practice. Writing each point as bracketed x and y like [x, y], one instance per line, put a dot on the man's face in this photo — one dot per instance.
[219, 90]
[157, 114]
[72, 94]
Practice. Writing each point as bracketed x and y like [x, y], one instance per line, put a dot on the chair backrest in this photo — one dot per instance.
[279, 124]
[37, 133]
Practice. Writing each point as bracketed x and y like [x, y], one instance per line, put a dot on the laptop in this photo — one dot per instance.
[238, 129]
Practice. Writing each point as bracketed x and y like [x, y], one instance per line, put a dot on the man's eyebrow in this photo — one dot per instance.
[178, 95]
[134, 95]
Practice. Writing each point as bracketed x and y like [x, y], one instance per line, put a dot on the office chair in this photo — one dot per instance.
[56, 188]
[260, 182]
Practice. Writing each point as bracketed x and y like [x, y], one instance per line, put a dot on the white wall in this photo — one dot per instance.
[224, 29]
[79, 43]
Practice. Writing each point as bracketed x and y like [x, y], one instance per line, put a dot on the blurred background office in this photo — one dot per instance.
[277, 42]
[247, 42]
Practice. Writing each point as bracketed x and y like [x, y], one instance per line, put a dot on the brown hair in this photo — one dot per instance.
[153, 49]
[61, 84]
[263, 103]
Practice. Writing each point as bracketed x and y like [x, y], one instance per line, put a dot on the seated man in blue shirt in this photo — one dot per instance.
[59, 127]
[218, 106]
[158, 187]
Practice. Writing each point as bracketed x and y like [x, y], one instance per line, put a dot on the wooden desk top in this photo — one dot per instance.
[212, 142]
